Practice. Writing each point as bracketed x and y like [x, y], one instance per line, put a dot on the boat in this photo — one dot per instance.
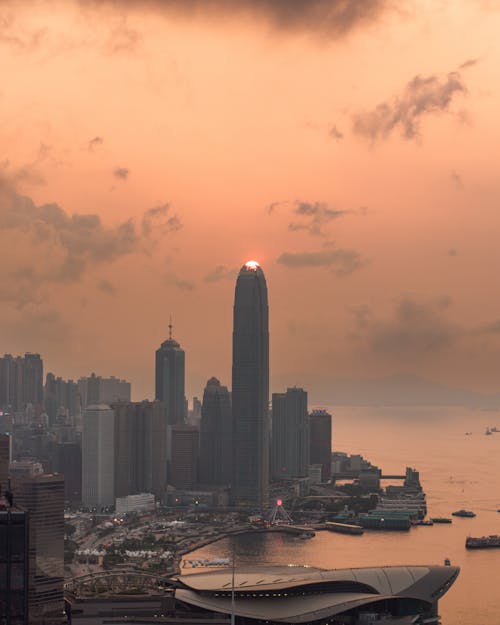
[484, 542]
[464, 513]
[488, 432]
[344, 528]
[494, 429]
[423, 522]
[441, 519]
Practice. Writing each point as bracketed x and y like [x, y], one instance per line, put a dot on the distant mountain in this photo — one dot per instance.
[399, 390]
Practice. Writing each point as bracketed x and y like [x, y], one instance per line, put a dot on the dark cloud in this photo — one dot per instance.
[94, 143]
[180, 283]
[159, 220]
[492, 327]
[457, 179]
[63, 245]
[335, 133]
[422, 96]
[221, 272]
[329, 18]
[106, 287]
[343, 261]
[468, 63]
[310, 216]
[416, 329]
[121, 172]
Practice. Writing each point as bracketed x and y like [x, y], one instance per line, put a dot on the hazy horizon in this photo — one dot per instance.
[151, 148]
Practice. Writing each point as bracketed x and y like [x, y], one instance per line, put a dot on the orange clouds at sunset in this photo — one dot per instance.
[148, 150]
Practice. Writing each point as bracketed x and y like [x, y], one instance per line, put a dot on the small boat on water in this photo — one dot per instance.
[464, 513]
[425, 522]
[488, 432]
[441, 519]
[484, 542]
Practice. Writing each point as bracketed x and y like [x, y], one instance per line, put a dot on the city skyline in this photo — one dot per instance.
[149, 153]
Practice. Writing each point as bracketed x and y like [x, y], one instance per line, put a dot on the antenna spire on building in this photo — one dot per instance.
[170, 326]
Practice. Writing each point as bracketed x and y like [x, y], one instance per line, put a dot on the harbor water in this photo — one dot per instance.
[456, 471]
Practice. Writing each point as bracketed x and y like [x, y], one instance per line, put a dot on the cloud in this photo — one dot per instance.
[329, 18]
[335, 133]
[415, 329]
[159, 220]
[343, 261]
[468, 63]
[221, 272]
[94, 143]
[62, 246]
[311, 216]
[106, 287]
[180, 283]
[18, 38]
[421, 97]
[492, 327]
[456, 178]
[121, 173]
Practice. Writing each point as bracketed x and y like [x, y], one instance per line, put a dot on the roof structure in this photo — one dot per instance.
[304, 595]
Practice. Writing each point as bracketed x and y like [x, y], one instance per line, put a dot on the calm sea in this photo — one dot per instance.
[456, 471]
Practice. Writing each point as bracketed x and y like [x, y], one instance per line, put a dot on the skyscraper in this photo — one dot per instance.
[140, 448]
[42, 495]
[98, 456]
[5, 453]
[184, 463]
[250, 392]
[320, 432]
[14, 563]
[290, 434]
[33, 379]
[169, 375]
[216, 446]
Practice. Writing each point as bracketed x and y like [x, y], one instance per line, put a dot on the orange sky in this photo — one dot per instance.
[373, 135]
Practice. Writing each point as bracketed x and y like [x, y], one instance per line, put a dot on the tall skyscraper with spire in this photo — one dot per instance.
[169, 386]
[250, 392]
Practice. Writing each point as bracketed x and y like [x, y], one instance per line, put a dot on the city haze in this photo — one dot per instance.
[148, 152]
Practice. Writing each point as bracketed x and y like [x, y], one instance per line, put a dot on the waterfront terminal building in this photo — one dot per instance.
[394, 595]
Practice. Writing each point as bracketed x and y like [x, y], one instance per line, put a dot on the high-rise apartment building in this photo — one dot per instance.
[21, 381]
[42, 495]
[33, 379]
[320, 434]
[290, 434]
[68, 462]
[250, 388]
[169, 380]
[184, 462]
[140, 448]
[216, 445]
[61, 398]
[98, 456]
[5, 454]
[14, 563]
[95, 390]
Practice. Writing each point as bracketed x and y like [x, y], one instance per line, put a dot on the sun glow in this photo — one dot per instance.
[252, 265]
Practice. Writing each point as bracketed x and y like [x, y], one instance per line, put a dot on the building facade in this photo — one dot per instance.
[140, 448]
[184, 462]
[290, 434]
[14, 563]
[320, 435]
[250, 389]
[95, 390]
[98, 456]
[42, 495]
[216, 445]
[169, 380]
